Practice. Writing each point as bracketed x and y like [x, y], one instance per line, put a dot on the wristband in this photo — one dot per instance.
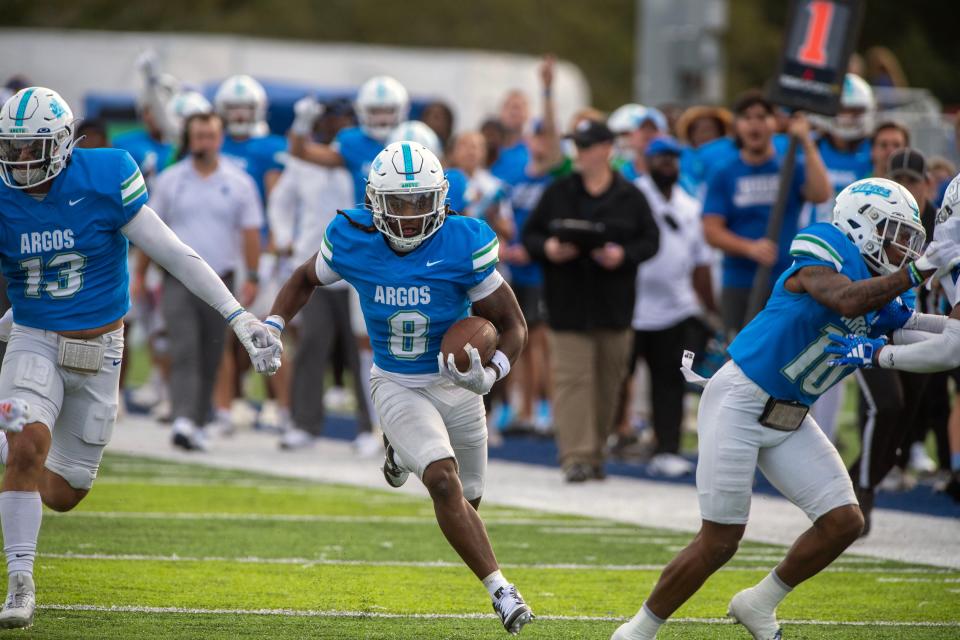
[916, 279]
[501, 362]
[276, 322]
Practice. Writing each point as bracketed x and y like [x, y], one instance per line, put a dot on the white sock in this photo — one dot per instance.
[4, 448]
[643, 626]
[770, 591]
[494, 582]
[20, 513]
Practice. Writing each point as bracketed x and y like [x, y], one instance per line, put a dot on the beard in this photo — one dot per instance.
[664, 181]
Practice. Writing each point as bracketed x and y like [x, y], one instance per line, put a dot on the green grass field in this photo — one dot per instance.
[163, 550]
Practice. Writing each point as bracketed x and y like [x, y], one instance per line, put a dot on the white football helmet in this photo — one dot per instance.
[857, 110]
[382, 104]
[951, 201]
[408, 193]
[624, 119]
[416, 131]
[876, 213]
[182, 106]
[36, 137]
[242, 103]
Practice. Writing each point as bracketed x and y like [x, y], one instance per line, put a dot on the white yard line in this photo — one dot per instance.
[895, 535]
[139, 557]
[307, 613]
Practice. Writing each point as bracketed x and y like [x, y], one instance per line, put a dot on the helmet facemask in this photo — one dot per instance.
[407, 217]
[379, 121]
[240, 120]
[29, 160]
[904, 237]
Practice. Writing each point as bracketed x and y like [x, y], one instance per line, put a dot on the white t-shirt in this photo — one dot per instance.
[665, 294]
[209, 213]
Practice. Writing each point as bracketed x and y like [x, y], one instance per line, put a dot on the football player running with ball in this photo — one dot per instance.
[754, 411]
[65, 220]
[418, 271]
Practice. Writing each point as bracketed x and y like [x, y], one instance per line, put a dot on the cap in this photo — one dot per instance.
[907, 162]
[685, 122]
[663, 144]
[338, 107]
[590, 132]
[654, 115]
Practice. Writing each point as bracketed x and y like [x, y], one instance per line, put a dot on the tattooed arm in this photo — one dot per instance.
[501, 308]
[848, 298]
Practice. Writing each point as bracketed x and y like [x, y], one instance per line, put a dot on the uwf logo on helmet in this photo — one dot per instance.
[871, 188]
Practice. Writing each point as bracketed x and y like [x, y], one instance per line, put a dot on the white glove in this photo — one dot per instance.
[940, 256]
[478, 378]
[14, 414]
[148, 65]
[261, 344]
[305, 112]
[275, 325]
[6, 325]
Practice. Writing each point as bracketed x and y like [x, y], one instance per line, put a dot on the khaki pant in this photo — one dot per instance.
[588, 369]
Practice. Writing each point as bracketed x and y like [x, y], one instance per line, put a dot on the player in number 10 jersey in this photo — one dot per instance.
[753, 413]
[65, 220]
[417, 271]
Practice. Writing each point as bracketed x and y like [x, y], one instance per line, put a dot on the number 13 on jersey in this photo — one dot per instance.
[69, 278]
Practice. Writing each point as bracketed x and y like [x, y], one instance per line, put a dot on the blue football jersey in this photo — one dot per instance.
[257, 156]
[782, 349]
[151, 156]
[409, 301]
[64, 257]
[358, 151]
[843, 169]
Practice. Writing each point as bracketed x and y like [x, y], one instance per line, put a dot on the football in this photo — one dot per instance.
[474, 331]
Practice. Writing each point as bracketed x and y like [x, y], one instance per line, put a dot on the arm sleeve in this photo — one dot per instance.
[282, 207]
[939, 353]
[155, 239]
[133, 188]
[910, 336]
[926, 322]
[490, 284]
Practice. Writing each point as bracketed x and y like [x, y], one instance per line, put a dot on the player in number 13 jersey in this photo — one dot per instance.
[845, 278]
[417, 271]
[65, 220]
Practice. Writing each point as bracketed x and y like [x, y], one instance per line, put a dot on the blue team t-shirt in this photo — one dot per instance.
[744, 194]
[358, 151]
[257, 156]
[152, 156]
[457, 189]
[843, 169]
[410, 300]
[511, 163]
[64, 257]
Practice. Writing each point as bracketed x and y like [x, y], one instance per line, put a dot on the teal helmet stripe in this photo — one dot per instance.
[407, 161]
[22, 108]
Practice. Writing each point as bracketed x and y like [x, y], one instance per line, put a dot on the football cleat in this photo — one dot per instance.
[761, 624]
[187, 435]
[17, 612]
[393, 473]
[513, 611]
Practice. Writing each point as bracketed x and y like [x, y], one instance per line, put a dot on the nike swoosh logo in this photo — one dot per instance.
[430, 264]
[73, 202]
[116, 362]
[21, 555]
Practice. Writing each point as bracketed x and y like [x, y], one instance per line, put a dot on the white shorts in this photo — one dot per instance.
[803, 464]
[79, 409]
[434, 423]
